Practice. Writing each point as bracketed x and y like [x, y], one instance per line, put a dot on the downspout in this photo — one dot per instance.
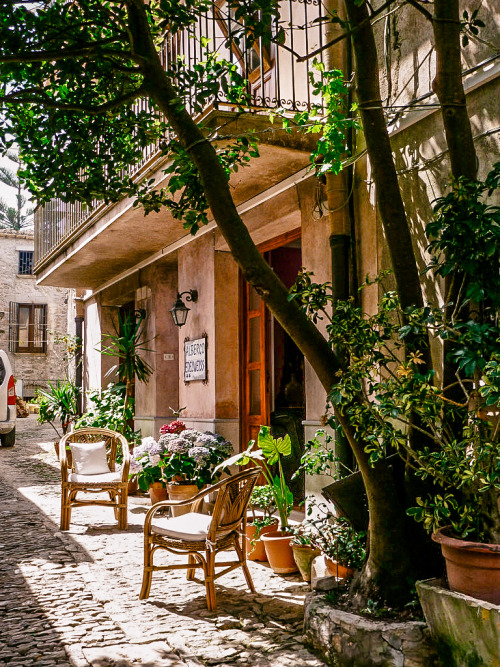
[79, 319]
[339, 190]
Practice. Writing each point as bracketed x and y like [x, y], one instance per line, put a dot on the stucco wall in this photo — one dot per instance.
[33, 369]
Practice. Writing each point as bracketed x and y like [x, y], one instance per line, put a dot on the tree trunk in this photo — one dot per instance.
[389, 201]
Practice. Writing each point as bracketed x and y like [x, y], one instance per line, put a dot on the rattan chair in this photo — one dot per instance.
[114, 483]
[202, 537]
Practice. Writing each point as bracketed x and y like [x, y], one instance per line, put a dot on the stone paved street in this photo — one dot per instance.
[72, 598]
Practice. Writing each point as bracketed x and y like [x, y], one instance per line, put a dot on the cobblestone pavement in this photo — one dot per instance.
[72, 598]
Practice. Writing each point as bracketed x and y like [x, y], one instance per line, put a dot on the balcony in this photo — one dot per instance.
[69, 238]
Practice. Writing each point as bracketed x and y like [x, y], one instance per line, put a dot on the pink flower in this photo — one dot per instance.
[174, 427]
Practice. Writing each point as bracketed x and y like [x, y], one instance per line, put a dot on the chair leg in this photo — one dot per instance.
[190, 572]
[122, 510]
[65, 510]
[209, 580]
[244, 566]
[147, 575]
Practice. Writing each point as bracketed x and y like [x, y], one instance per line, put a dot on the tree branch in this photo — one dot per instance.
[65, 54]
[39, 96]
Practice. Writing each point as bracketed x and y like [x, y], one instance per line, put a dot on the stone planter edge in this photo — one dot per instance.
[344, 639]
[466, 630]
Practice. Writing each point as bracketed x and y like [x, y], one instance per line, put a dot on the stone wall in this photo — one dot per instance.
[30, 368]
[348, 640]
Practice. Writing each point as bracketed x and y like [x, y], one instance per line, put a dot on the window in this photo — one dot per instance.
[25, 263]
[27, 327]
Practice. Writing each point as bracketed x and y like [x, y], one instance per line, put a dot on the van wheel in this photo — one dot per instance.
[8, 439]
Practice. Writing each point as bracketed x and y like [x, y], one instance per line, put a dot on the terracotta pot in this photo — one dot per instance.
[472, 568]
[181, 492]
[133, 486]
[157, 492]
[257, 551]
[279, 552]
[337, 570]
[304, 554]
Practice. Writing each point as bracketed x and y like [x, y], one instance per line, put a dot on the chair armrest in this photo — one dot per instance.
[63, 458]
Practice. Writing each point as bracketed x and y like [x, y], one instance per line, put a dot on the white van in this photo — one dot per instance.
[7, 402]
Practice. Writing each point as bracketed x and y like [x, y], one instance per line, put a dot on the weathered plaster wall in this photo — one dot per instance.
[33, 369]
[155, 398]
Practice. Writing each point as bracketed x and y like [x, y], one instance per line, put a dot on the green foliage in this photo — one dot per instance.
[58, 402]
[329, 118]
[270, 452]
[335, 537]
[319, 458]
[262, 498]
[108, 411]
[128, 345]
[390, 396]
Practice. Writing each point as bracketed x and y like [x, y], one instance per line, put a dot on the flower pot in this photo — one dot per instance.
[181, 492]
[304, 554]
[257, 551]
[337, 570]
[472, 568]
[133, 486]
[157, 492]
[279, 552]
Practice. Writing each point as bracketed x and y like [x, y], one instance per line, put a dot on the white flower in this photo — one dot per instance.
[154, 459]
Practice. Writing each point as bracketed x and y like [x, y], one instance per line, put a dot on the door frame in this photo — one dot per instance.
[248, 422]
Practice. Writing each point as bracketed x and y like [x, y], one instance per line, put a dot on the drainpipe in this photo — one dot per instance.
[340, 209]
[79, 319]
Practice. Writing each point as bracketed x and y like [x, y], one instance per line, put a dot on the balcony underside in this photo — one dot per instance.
[121, 237]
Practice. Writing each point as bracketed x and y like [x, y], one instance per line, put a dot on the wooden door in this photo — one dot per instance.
[255, 373]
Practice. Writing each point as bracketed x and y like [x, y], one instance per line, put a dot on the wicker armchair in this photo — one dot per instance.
[202, 537]
[115, 483]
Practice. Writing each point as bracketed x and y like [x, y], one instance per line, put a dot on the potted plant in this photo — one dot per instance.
[269, 452]
[182, 461]
[58, 402]
[262, 499]
[304, 548]
[343, 547]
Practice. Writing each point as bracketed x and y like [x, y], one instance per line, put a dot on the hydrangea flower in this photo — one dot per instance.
[200, 455]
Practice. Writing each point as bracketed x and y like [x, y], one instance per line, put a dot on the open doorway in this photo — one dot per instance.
[273, 388]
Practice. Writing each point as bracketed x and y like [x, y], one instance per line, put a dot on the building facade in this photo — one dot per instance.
[231, 367]
[32, 317]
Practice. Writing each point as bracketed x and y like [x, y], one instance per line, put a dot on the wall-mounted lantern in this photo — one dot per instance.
[180, 311]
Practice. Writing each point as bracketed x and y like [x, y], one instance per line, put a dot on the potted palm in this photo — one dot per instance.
[269, 452]
[58, 403]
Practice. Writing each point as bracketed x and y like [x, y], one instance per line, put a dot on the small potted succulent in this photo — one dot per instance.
[262, 506]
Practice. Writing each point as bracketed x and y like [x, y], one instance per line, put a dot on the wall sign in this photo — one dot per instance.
[195, 359]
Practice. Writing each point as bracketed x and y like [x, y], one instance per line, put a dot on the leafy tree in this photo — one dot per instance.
[14, 217]
[71, 74]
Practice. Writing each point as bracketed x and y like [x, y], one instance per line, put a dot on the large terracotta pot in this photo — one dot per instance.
[157, 492]
[304, 554]
[181, 492]
[335, 569]
[279, 552]
[257, 551]
[472, 568]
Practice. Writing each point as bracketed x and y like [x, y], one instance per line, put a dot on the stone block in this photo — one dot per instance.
[321, 578]
[466, 630]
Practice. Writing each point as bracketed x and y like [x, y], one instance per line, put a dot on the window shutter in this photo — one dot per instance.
[13, 326]
[43, 325]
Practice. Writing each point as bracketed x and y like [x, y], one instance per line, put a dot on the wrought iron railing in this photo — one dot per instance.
[274, 80]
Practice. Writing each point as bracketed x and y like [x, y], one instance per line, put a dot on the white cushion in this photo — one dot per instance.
[96, 479]
[192, 527]
[90, 458]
